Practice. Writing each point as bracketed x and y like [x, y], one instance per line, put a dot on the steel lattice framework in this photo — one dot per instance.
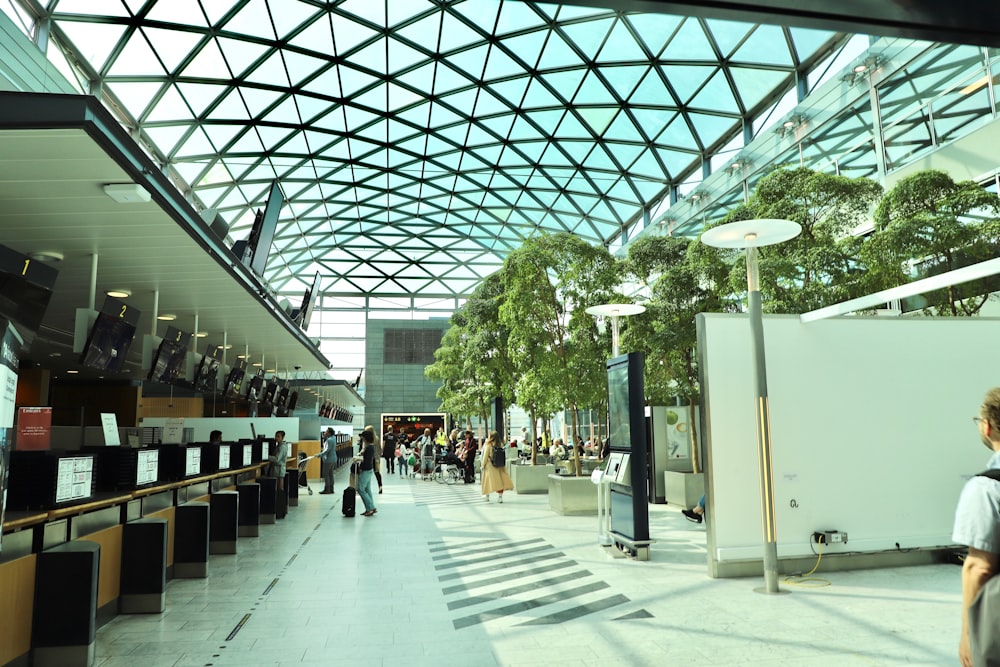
[418, 141]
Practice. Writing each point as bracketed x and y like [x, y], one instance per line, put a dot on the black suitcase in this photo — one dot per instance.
[348, 503]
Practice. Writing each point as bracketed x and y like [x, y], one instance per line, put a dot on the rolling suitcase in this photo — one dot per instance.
[347, 506]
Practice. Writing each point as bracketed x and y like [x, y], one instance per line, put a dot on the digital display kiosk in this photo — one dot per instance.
[626, 469]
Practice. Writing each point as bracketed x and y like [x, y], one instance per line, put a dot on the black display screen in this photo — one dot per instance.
[170, 356]
[234, 383]
[108, 344]
[25, 290]
[208, 370]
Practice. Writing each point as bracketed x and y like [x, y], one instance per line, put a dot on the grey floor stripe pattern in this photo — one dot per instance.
[520, 582]
[432, 493]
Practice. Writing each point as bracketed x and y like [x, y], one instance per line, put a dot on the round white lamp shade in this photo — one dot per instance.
[751, 233]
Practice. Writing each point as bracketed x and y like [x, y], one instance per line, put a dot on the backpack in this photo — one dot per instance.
[985, 609]
[498, 457]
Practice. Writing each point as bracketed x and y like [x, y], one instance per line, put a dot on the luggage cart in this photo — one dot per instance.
[303, 461]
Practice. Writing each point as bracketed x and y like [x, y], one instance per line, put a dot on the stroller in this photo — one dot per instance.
[303, 461]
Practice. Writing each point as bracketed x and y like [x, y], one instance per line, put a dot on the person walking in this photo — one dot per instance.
[495, 477]
[977, 526]
[366, 466]
[327, 460]
[389, 453]
[378, 456]
[404, 458]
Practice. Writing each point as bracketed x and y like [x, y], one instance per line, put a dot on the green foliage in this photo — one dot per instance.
[931, 219]
[818, 267]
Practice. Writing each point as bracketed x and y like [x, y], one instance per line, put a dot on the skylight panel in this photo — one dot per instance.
[566, 82]
[402, 56]
[687, 79]
[598, 118]
[455, 34]
[625, 154]
[301, 67]
[240, 54]
[512, 90]
[196, 144]
[200, 96]
[558, 54]
[712, 128]
[528, 46]
[135, 96]
[678, 134]
[689, 43]
[170, 108]
[184, 12]
[728, 34]
[624, 78]
[318, 37]
[365, 9]
[654, 29]
[349, 34]
[716, 95]
[622, 46]
[593, 91]
[588, 36]
[352, 80]
[499, 65]
[258, 100]
[755, 84]
[166, 138]
[271, 72]
[92, 8]
[136, 59]
[523, 130]
[289, 16]
[425, 31]
[652, 91]
[766, 44]
[372, 56]
[488, 104]
[253, 19]
[539, 96]
[208, 64]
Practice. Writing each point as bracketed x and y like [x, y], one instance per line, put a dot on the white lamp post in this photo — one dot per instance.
[614, 311]
[751, 234]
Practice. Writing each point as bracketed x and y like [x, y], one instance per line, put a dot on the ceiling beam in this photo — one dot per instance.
[959, 21]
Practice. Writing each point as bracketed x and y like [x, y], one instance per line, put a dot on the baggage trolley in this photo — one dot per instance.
[303, 460]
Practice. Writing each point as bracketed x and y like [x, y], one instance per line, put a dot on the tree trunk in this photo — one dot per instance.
[531, 433]
[574, 431]
[693, 433]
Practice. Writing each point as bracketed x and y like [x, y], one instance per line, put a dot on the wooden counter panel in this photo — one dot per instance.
[17, 605]
[310, 447]
[167, 514]
[109, 572]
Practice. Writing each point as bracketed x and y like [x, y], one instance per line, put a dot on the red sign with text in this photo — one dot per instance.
[34, 429]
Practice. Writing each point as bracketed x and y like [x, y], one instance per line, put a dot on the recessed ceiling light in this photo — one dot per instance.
[227, 347]
[201, 334]
[119, 293]
[241, 356]
[858, 69]
[55, 354]
[166, 317]
[258, 364]
[72, 372]
[46, 256]
[270, 370]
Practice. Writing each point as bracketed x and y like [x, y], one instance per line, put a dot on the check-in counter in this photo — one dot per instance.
[100, 521]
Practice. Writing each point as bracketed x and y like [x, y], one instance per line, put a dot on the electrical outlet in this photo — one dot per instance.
[829, 537]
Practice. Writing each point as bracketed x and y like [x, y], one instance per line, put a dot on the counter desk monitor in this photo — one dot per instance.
[179, 462]
[627, 460]
[43, 480]
[124, 468]
[244, 449]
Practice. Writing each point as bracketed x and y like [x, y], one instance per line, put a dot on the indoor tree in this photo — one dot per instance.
[549, 282]
[929, 220]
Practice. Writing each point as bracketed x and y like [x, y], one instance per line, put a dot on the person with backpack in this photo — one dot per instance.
[495, 477]
[977, 526]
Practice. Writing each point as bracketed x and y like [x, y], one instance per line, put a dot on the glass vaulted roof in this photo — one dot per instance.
[417, 142]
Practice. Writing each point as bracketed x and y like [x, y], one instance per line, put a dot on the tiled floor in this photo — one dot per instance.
[441, 577]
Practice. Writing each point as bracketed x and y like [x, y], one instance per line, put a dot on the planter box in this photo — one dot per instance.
[531, 479]
[683, 488]
[572, 495]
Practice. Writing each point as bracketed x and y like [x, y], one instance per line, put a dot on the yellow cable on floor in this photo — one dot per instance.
[807, 581]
